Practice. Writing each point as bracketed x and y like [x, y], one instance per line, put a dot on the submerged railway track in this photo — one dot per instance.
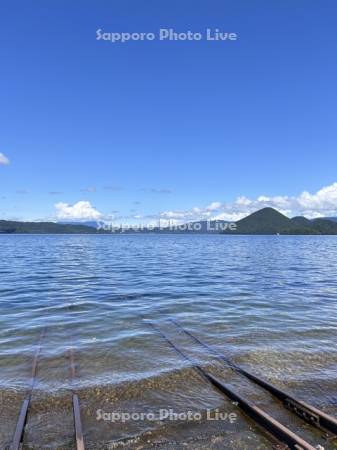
[279, 435]
[19, 433]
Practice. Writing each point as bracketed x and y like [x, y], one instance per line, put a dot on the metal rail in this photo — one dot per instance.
[22, 419]
[281, 434]
[308, 413]
[76, 404]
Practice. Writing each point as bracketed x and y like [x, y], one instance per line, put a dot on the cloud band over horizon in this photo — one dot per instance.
[323, 203]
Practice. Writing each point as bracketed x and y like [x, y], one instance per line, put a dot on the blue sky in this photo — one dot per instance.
[181, 129]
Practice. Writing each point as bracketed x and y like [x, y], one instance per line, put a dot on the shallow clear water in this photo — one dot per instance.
[267, 302]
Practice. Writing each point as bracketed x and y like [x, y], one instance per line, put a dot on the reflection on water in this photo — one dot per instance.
[269, 302]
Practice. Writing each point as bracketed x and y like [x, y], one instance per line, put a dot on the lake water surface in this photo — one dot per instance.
[267, 302]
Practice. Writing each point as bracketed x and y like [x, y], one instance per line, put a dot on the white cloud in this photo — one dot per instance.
[174, 214]
[213, 206]
[81, 210]
[4, 161]
[323, 203]
[325, 198]
[243, 201]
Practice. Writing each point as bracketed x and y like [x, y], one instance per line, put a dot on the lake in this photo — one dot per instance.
[269, 303]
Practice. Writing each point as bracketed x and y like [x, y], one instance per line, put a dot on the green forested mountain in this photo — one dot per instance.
[270, 221]
[8, 226]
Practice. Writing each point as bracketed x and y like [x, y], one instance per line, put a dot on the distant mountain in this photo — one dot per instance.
[89, 223]
[264, 221]
[270, 221]
[8, 227]
[324, 226]
[333, 219]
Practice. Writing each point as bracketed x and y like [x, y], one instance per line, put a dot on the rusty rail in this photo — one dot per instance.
[284, 437]
[308, 413]
[76, 404]
[22, 419]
